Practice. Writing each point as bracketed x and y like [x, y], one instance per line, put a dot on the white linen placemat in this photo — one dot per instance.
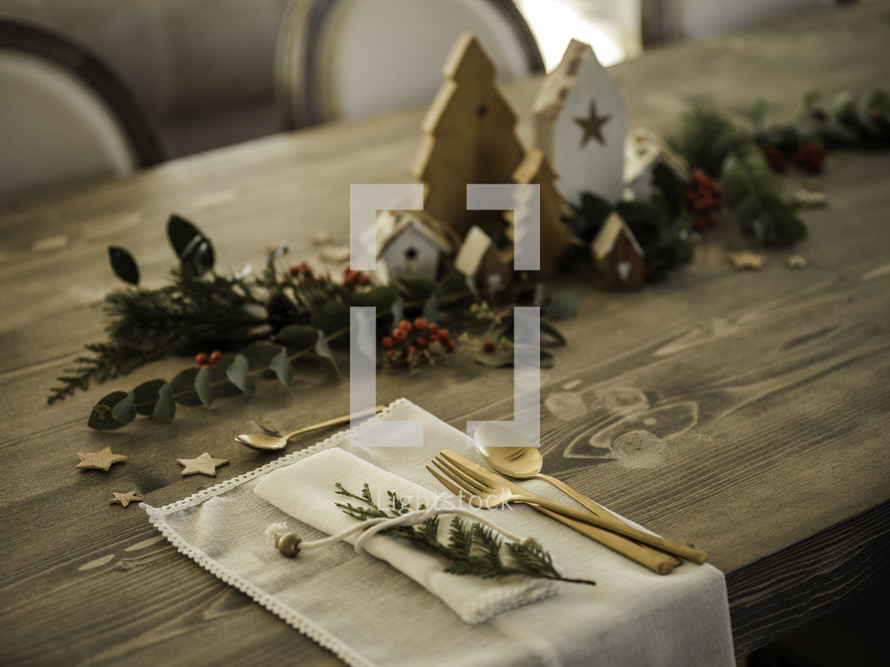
[368, 614]
[305, 491]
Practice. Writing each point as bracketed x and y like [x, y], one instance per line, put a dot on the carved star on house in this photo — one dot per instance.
[593, 125]
[124, 498]
[204, 464]
[101, 460]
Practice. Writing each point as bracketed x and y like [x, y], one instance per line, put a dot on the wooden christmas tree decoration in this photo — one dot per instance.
[580, 126]
[469, 137]
[555, 234]
[618, 259]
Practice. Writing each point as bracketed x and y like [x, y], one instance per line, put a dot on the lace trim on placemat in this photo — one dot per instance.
[299, 622]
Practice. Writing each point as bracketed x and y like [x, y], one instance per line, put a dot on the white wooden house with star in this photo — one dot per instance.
[580, 125]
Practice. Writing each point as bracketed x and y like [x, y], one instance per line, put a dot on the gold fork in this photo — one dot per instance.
[486, 491]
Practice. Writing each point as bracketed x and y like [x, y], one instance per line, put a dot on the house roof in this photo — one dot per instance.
[392, 224]
[475, 247]
[608, 235]
[553, 92]
[643, 149]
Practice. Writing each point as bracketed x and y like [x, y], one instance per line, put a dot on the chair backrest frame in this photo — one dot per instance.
[36, 42]
[305, 23]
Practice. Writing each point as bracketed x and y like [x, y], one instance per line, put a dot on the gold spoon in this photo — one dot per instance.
[268, 442]
[510, 453]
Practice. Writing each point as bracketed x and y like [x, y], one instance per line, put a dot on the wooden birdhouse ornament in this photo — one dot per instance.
[410, 245]
[643, 150]
[469, 137]
[555, 235]
[480, 259]
[618, 259]
[580, 126]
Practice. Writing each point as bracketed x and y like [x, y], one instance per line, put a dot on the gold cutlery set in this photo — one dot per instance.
[509, 452]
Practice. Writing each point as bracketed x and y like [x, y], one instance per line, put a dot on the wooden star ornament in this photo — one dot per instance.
[124, 498]
[101, 460]
[204, 464]
[593, 126]
[746, 260]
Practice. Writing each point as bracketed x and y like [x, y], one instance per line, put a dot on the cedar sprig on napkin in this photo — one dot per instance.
[473, 549]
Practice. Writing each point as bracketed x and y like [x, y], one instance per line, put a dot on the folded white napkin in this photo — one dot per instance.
[305, 491]
[368, 614]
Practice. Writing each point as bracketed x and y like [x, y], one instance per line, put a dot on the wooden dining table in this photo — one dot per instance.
[763, 397]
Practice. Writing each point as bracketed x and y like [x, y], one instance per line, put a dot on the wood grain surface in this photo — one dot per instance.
[745, 413]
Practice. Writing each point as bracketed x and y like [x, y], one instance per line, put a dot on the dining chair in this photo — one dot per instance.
[347, 59]
[65, 118]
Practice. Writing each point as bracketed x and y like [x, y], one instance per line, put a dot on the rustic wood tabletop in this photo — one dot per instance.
[765, 392]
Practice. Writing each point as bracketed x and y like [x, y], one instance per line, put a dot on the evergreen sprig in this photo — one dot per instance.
[472, 548]
[709, 140]
[105, 361]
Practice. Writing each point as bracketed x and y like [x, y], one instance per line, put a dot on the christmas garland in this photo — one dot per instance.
[247, 326]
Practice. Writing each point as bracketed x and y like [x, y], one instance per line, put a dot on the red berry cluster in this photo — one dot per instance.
[810, 157]
[302, 272]
[702, 199]
[354, 278]
[775, 159]
[411, 344]
[205, 360]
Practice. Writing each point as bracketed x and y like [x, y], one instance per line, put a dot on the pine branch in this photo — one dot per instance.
[106, 361]
[472, 549]
[704, 137]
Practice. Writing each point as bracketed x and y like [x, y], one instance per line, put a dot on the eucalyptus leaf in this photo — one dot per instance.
[331, 318]
[540, 297]
[496, 360]
[146, 396]
[417, 289]
[431, 308]
[165, 408]
[202, 386]
[297, 336]
[125, 412]
[260, 353]
[184, 387]
[281, 365]
[563, 305]
[239, 374]
[323, 352]
[219, 382]
[398, 311]
[189, 243]
[553, 332]
[123, 264]
[101, 415]
[381, 297]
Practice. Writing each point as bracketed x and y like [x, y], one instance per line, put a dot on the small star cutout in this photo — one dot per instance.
[204, 464]
[796, 262]
[124, 498]
[746, 260]
[102, 460]
[593, 126]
